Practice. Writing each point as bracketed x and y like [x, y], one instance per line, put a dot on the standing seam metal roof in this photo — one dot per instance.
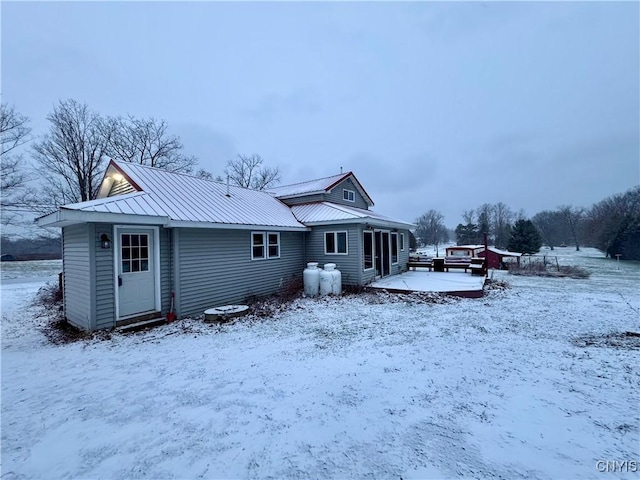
[191, 199]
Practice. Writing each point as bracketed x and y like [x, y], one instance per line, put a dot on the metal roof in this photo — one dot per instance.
[321, 185]
[186, 199]
[328, 213]
[305, 188]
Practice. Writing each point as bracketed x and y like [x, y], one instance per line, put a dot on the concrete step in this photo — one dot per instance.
[134, 327]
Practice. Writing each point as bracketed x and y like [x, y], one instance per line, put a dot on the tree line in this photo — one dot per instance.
[70, 158]
[611, 225]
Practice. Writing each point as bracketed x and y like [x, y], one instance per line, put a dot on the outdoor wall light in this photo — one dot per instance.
[117, 177]
[104, 239]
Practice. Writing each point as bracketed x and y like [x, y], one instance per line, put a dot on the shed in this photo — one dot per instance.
[495, 257]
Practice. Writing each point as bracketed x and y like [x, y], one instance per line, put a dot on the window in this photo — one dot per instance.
[394, 248]
[349, 195]
[274, 245]
[402, 242]
[367, 242]
[135, 252]
[265, 245]
[335, 243]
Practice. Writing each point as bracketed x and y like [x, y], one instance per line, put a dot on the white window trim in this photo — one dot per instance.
[265, 245]
[401, 242]
[397, 252]
[351, 193]
[277, 234]
[373, 253]
[335, 242]
[156, 260]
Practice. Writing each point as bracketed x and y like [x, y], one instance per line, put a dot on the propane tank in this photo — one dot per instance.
[311, 279]
[336, 283]
[326, 279]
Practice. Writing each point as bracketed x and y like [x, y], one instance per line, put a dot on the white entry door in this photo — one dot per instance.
[136, 280]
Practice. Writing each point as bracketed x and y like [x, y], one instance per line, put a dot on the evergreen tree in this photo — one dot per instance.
[467, 234]
[626, 241]
[525, 237]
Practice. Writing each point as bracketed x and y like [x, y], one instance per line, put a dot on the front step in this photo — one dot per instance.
[134, 327]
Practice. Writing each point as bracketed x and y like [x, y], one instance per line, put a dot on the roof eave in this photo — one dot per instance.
[236, 226]
[66, 217]
[374, 222]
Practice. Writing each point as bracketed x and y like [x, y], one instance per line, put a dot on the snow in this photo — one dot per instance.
[376, 386]
[422, 280]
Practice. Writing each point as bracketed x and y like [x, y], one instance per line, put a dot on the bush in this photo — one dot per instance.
[543, 268]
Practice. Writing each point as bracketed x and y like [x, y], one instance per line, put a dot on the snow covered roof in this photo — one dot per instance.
[321, 185]
[463, 247]
[173, 199]
[330, 213]
[504, 253]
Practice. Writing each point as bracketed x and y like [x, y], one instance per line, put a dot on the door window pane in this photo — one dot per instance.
[134, 257]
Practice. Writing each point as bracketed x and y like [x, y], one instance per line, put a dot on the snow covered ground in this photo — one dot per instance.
[523, 383]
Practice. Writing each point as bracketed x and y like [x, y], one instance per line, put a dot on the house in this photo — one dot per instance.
[151, 234]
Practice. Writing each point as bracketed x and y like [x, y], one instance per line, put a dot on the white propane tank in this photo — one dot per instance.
[326, 279]
[330, 280]
[336, 284]
[311, 279]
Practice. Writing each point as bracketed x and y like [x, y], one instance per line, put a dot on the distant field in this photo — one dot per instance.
[30, 268]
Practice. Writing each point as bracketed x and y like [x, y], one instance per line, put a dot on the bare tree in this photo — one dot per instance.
[469, 216]
[502, 218]
[71, 156]
[248, 171]
[573, 217]
[551, 225]
[430, 228]
[14, 132]
[202, 173]
[146, 141]
[14, 129]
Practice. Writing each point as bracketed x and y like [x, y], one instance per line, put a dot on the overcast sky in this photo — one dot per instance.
[431, 105]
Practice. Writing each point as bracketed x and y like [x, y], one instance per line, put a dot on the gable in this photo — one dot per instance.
[330, 189]
[342, 193]
[116, 182]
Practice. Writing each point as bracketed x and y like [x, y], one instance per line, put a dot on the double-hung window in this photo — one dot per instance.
[265, 245]
[348, 195]
[335, 243]
[402, 242]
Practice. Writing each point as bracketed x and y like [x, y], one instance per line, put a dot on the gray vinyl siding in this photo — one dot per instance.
[104, 277]
[214, 268]
[320, 197]
[120, 188]
[77, 275]
[349, 265]
[165, 269]
[336, 195]
[403, 256]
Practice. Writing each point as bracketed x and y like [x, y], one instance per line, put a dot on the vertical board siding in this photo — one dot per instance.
[215, 268]
[336, 193]
[105, 315]
[350, 265]
[77, 278]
